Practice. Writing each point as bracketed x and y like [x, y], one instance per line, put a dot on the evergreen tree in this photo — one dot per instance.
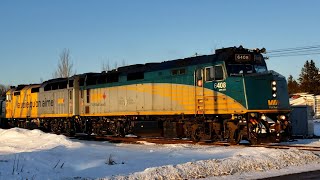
[309, 78]
[315, 78]
[304, 78]
[293, 86]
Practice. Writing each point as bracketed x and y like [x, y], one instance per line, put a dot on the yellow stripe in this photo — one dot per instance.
[142, 113]
[54, 115]
[270, 111]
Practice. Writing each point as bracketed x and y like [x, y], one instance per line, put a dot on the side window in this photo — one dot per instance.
[198, 78]
[8, 97]
[135, 76]
[218, 73]
[210, 74]
[214, 73]
[178, 71]
[198, 74]
[70, 94]
[88, 95]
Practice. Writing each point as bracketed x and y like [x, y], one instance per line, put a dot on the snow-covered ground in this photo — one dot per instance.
[26, 154]
[317, 128]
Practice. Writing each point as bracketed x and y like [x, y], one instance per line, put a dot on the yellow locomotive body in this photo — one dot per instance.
[22, 102]
[156, 99]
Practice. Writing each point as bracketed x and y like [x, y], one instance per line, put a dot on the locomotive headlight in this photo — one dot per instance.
[242, 121]
[274, 88]
[283, 117]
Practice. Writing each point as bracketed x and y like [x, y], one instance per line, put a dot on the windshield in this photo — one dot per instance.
[239, 69]
[260, 68]
[236, 69]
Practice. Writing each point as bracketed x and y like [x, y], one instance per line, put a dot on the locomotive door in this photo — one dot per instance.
[199, 92]
[29, 108]
[81, 103]
[70, 102]
[212, 78]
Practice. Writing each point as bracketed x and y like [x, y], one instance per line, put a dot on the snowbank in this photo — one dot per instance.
[238, 164]
[26, 154]
[316, 128]
[22, 140]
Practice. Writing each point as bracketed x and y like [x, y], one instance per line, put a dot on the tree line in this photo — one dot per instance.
[308, 81]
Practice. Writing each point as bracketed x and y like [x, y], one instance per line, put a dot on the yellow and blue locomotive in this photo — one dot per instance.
[229, 95]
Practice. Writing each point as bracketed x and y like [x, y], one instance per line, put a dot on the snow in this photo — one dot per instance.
[316, 127]
[32, 154]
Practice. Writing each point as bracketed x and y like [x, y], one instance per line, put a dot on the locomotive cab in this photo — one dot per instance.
[259, 102]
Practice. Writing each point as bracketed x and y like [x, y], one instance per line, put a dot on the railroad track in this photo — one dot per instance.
[139, 140]
[281, 146]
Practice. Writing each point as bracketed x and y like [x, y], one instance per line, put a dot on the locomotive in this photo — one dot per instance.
[226, 96]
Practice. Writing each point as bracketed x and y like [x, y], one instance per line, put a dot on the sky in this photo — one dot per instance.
[33, 33]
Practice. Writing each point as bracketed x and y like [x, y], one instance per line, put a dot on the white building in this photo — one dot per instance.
[307, 99]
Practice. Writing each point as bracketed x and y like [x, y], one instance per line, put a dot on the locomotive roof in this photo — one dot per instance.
[51, 81]
[156, 66]
[224, 54]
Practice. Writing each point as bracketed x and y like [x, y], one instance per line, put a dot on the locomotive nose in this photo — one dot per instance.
[267, 91]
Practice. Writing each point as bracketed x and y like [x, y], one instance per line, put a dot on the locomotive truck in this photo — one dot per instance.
[226, 96]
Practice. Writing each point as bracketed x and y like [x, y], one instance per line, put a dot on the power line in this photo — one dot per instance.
[296, 51]
[297, 54]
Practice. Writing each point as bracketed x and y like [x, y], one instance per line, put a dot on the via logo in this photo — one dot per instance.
[273, 102]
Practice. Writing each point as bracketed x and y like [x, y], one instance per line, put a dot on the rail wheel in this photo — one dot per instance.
[55, 127]
[237, 137]
[70, 127]
[195, 136]
[120, 130]
[231, 132]
[254, 130]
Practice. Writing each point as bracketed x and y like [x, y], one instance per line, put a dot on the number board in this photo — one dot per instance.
[242, 57]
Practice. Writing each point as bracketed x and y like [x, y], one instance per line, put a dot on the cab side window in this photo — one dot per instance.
[214, 73]
[218, 73]
[210, 74]
[8, 97]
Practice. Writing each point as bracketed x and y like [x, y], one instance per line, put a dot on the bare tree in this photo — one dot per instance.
[106, 66]
[3, 89]
[65, 65]
[123, 62]
[115, 65]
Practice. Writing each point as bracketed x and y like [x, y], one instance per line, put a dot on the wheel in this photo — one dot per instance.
[196, 135]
